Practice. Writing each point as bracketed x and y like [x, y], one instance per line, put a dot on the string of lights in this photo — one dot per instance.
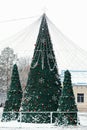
[18, 19]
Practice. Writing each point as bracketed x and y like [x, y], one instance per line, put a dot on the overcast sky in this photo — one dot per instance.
[70, 16]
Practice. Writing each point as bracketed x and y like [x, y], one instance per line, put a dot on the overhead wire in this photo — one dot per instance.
[68, 49]
[20, 38]
[68, 54]
[18, 19]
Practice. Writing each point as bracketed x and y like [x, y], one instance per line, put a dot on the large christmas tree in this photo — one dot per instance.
[67, 106]
[14, 97]
[43, 87]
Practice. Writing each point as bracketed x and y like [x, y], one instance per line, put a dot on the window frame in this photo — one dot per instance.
[80, 97]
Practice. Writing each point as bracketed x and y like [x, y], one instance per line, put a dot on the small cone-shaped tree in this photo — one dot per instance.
[14, 97]
[67, 106]
[43, 87]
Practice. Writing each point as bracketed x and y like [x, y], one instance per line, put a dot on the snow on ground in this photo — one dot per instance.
[25, 126]
[14, 125]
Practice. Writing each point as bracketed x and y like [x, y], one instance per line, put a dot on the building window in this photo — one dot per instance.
[80, 97]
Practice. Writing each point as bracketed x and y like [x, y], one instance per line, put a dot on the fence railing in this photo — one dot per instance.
[50, 114]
